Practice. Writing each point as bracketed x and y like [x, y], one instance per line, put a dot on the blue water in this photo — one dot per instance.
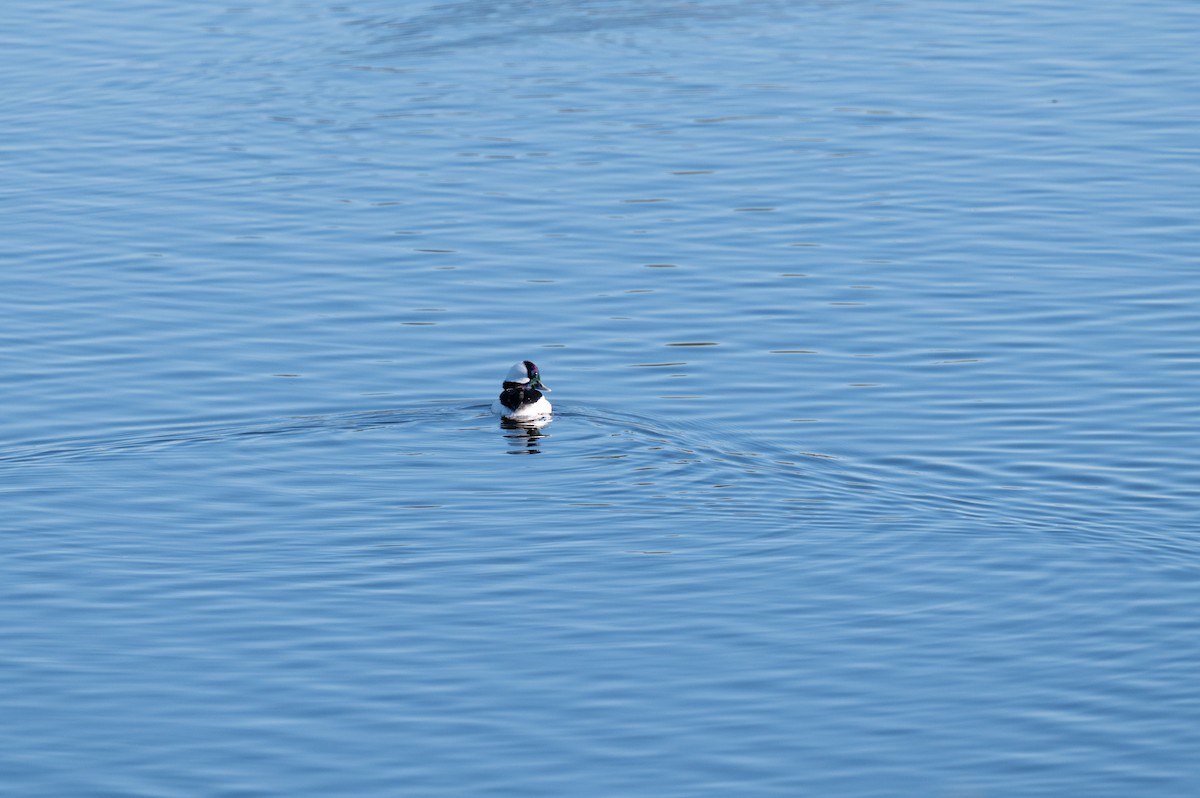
[874, 334]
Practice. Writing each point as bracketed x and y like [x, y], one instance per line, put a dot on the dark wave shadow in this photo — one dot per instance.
[75, 449]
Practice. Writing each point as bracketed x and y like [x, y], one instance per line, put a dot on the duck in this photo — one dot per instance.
[521, 395]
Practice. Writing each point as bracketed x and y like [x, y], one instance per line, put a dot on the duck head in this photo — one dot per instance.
[524, 374]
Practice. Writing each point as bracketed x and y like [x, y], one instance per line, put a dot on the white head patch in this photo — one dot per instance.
[518, 373]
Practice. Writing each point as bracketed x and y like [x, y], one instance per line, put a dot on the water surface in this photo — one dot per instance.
[873, 334]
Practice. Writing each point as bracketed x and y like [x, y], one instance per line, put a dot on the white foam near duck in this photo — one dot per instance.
[521, 395]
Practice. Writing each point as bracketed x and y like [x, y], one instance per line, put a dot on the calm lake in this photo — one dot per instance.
[874, 335]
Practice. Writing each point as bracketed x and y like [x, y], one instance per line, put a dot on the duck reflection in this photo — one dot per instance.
[525, 436]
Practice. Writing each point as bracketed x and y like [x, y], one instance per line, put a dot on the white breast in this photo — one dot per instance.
[539, 409]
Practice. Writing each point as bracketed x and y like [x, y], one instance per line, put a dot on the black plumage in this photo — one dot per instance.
[517, 395]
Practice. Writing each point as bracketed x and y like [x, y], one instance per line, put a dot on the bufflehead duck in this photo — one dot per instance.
[521, 399]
